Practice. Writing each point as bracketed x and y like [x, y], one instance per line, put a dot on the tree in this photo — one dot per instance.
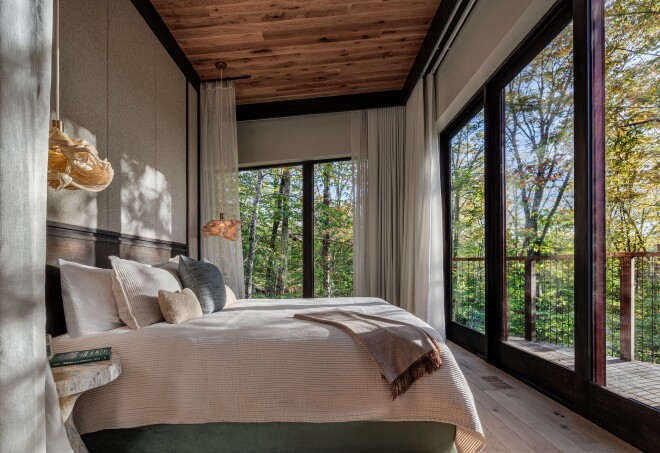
[539, 151]
[280, 281]
[252, 237]
[325, 254]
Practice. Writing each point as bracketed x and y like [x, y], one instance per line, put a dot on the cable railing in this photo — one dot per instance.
[540, 301]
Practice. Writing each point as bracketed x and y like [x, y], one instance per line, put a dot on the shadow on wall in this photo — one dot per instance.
[146, 202]
[75, 207]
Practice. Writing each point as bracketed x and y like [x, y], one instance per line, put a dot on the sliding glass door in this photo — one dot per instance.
[539, 204]
[632, 192]
[463, 145]
[569, 184]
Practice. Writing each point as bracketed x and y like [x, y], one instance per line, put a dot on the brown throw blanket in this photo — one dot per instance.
[403, 352]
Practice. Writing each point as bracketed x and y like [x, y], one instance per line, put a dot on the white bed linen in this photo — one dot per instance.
[253, 362]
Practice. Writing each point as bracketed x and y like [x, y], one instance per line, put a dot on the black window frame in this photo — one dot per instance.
[471, 339]
[308, 213]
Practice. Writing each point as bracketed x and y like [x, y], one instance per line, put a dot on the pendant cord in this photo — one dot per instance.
[57, 59]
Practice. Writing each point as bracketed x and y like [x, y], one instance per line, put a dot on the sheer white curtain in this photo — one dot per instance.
[30, 419]
[397, 232]
[422, 280]
[219, 179]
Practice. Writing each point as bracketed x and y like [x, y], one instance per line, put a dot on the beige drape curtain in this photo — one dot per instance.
[397, 220]
[219, 178]
[378, 147]
[30, 419]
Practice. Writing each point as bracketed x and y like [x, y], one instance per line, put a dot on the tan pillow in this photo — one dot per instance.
[135, 287]
[230, 297]
[180, 306]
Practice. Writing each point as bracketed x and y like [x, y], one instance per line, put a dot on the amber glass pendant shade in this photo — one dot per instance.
[221, 227]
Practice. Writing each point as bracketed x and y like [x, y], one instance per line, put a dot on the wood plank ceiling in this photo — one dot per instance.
[294, 49]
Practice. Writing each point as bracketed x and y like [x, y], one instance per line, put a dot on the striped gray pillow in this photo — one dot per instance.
[135, 287]
[206, 281]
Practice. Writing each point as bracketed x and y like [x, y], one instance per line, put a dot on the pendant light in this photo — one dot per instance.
[73, 163]
[221, 227]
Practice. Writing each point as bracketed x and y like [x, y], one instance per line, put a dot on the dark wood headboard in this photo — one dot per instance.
[93, 248]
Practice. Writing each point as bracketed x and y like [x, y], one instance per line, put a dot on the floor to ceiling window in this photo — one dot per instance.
[333, 229]
[273, 211]
[572, 214]
[538, 161]
[632, 184]
[466, 220]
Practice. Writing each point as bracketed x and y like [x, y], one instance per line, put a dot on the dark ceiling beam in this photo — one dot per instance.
[328, 104]
[158, 27]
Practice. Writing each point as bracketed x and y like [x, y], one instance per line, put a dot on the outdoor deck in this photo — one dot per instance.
[632, 379]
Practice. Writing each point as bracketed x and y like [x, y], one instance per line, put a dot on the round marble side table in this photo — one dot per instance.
[72, 381]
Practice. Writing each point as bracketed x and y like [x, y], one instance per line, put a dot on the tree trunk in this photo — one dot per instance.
[270, 271]
[280, 282]
[326, 231]
[252, 246]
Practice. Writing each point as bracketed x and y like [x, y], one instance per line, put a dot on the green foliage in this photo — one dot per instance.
[277, 270]
[333, 225]
[273, 207]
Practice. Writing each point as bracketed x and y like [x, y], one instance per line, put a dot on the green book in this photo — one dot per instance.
[78, 357]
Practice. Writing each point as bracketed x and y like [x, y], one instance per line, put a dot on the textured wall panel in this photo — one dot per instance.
[193, 180]
[134, 199]
[84, 109]
[170, 148]
[121, 91]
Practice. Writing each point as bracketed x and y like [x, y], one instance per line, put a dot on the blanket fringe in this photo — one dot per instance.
[426, 364]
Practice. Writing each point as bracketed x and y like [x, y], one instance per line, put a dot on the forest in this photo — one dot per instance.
[539, 188]
[271, 203]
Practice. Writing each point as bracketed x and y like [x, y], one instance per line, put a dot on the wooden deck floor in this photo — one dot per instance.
[518, 419]
[636, 380]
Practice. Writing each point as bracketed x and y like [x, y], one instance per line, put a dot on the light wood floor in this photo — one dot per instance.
[518, 419]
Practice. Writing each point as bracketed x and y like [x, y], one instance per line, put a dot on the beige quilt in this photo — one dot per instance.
[253, 362]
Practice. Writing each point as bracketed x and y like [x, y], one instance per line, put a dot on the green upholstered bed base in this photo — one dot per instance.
[278, 437]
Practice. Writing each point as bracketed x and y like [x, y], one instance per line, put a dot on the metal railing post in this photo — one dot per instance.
[627, 308]
[530, 299]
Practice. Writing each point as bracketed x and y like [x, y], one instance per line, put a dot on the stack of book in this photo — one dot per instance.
[78, 357]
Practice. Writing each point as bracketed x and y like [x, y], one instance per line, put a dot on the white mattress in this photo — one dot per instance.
[253, 362]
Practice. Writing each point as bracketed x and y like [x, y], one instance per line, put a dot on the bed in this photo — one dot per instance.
[251, 376]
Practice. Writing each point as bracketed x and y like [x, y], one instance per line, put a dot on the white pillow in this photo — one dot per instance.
[89, 303]
[136, 286]
[230, 298]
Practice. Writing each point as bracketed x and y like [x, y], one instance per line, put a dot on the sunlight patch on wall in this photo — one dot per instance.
[146, 201]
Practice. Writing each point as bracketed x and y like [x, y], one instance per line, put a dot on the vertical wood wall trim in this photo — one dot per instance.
[187, 169]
